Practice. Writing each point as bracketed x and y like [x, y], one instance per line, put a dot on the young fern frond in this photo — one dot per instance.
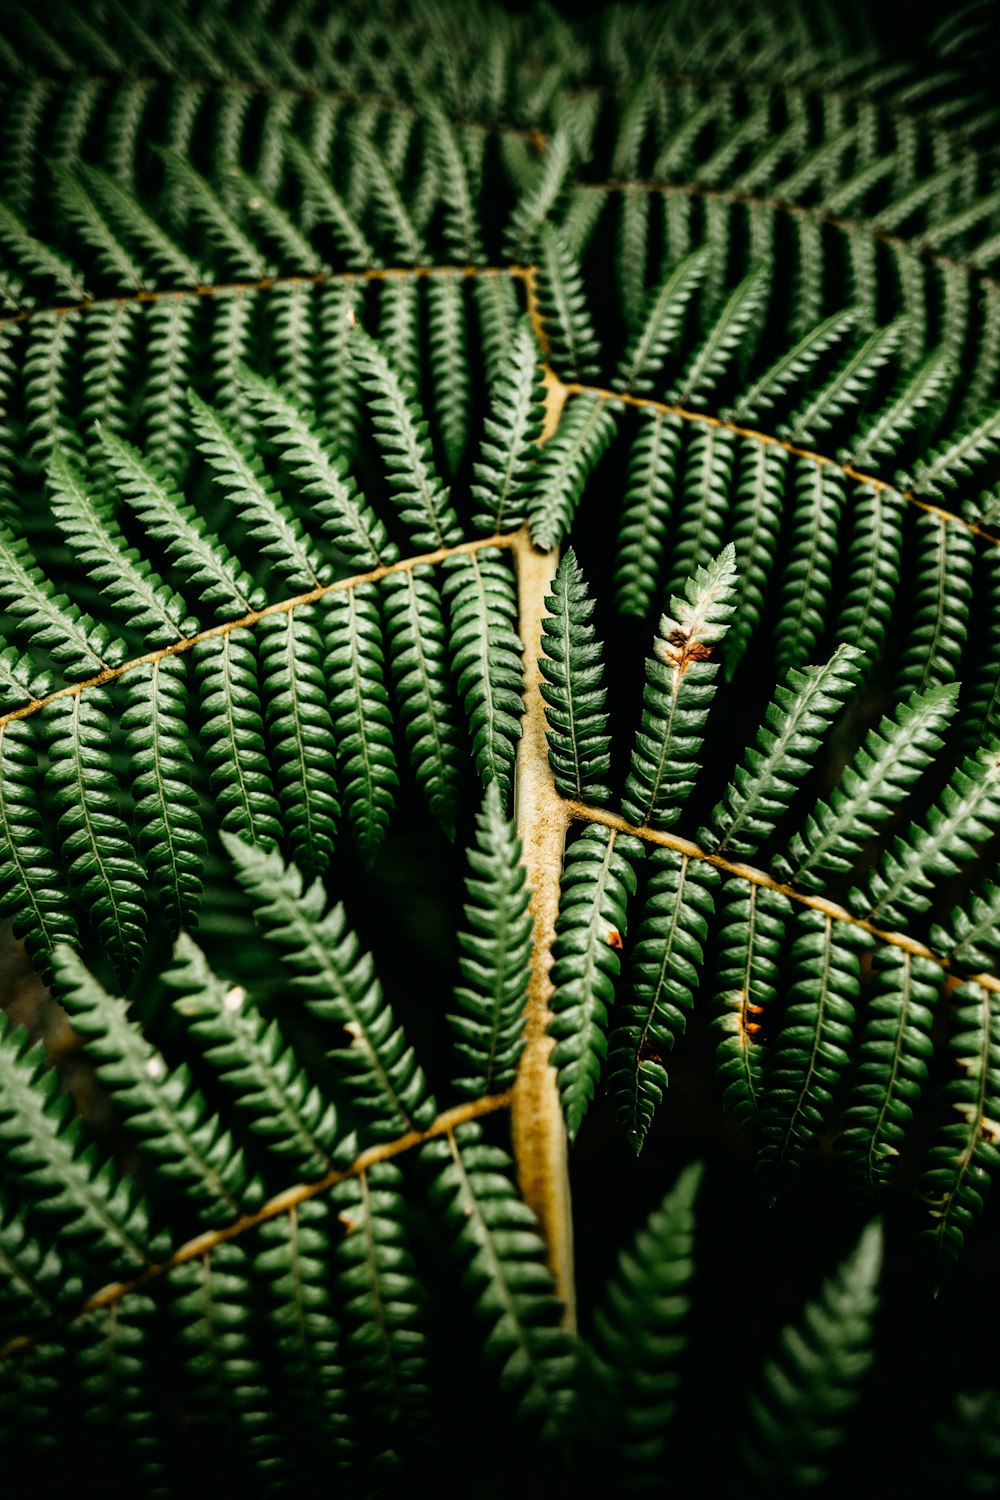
[508, 454]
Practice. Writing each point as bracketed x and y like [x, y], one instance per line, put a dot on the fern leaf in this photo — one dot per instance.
[167, 815]
[211, 1310]
[461, 221]
[508, 453]
[49, 1159]
[630, 1371]
[942, 591]
[571, 664]
[239, 472]
[110, 1351]
[598, 878]
[715, 354]
[388, 207]
[971, 935]
[49, 618]
[341, 508]
[895, 1051]
[749, 941]
[486, 659]
[267, 215]
[567, 462]
[888, 765]
[755, 528]
[562, 304]
[241, 255]
[35, 1279]
[706, 494]
[811, 1049]
[79, 207]
[184, 534]
[808, 577]
[792, 368]
[293, 1267]
[506, 1274]
[36, 258]
[661, 325]
[917, 403]
[947, 465]
[845, 387]
[170, 333]
[963, 816]
[93, 833]
[964, 1152]
[161, 252]
[327, 206]
[233, 735]
[382, 1302]
[801, 711]
[663, 976]
[494, 951]
[877, 516]
[449, 360]
[424, 503]
[338, 984]
[418, 662]
[679, 688]
[808, 1389]
[271, 1089]
[88, 523]
[645, 511]
[359, 706]
[31, 887]
[529, 219]
[163, 1108]
[300, 733]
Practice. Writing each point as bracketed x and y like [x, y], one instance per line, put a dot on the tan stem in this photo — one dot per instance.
[542, 819]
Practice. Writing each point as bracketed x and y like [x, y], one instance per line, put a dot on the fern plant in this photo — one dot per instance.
[499, 563]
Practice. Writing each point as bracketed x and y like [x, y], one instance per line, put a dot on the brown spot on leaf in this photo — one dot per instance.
[614, 938]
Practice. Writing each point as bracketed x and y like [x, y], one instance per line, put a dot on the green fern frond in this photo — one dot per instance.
[809, 1388]
[381, 1301]
[233, 736]
[679, 688]
[663, 319]
[963, 1152]
[791, 367]
[811, 1048]
[338, 984]
[887, 766]
[646, 510]
[505, 1276]
[562, 304]
[895, 1050]
[567, 462]
[714, 357]
[573, 690]
[253, 1059]
[749, 940]
[31, 892]
[597, 880]
[801, 711]
[184, 534]
[486, 659]
[164, 1109]
[508, 456]
[664, 969]
[630, 1371]
[62, 1175]
[494, 949]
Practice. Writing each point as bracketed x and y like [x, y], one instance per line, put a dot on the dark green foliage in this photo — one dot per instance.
[808, 1389]
[679, 688]
[573, 689]
[494, 953]
[598, 878]
[749, 940]
[663, 975]
[631, 1369]
[504, 1276]
[485, 657]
